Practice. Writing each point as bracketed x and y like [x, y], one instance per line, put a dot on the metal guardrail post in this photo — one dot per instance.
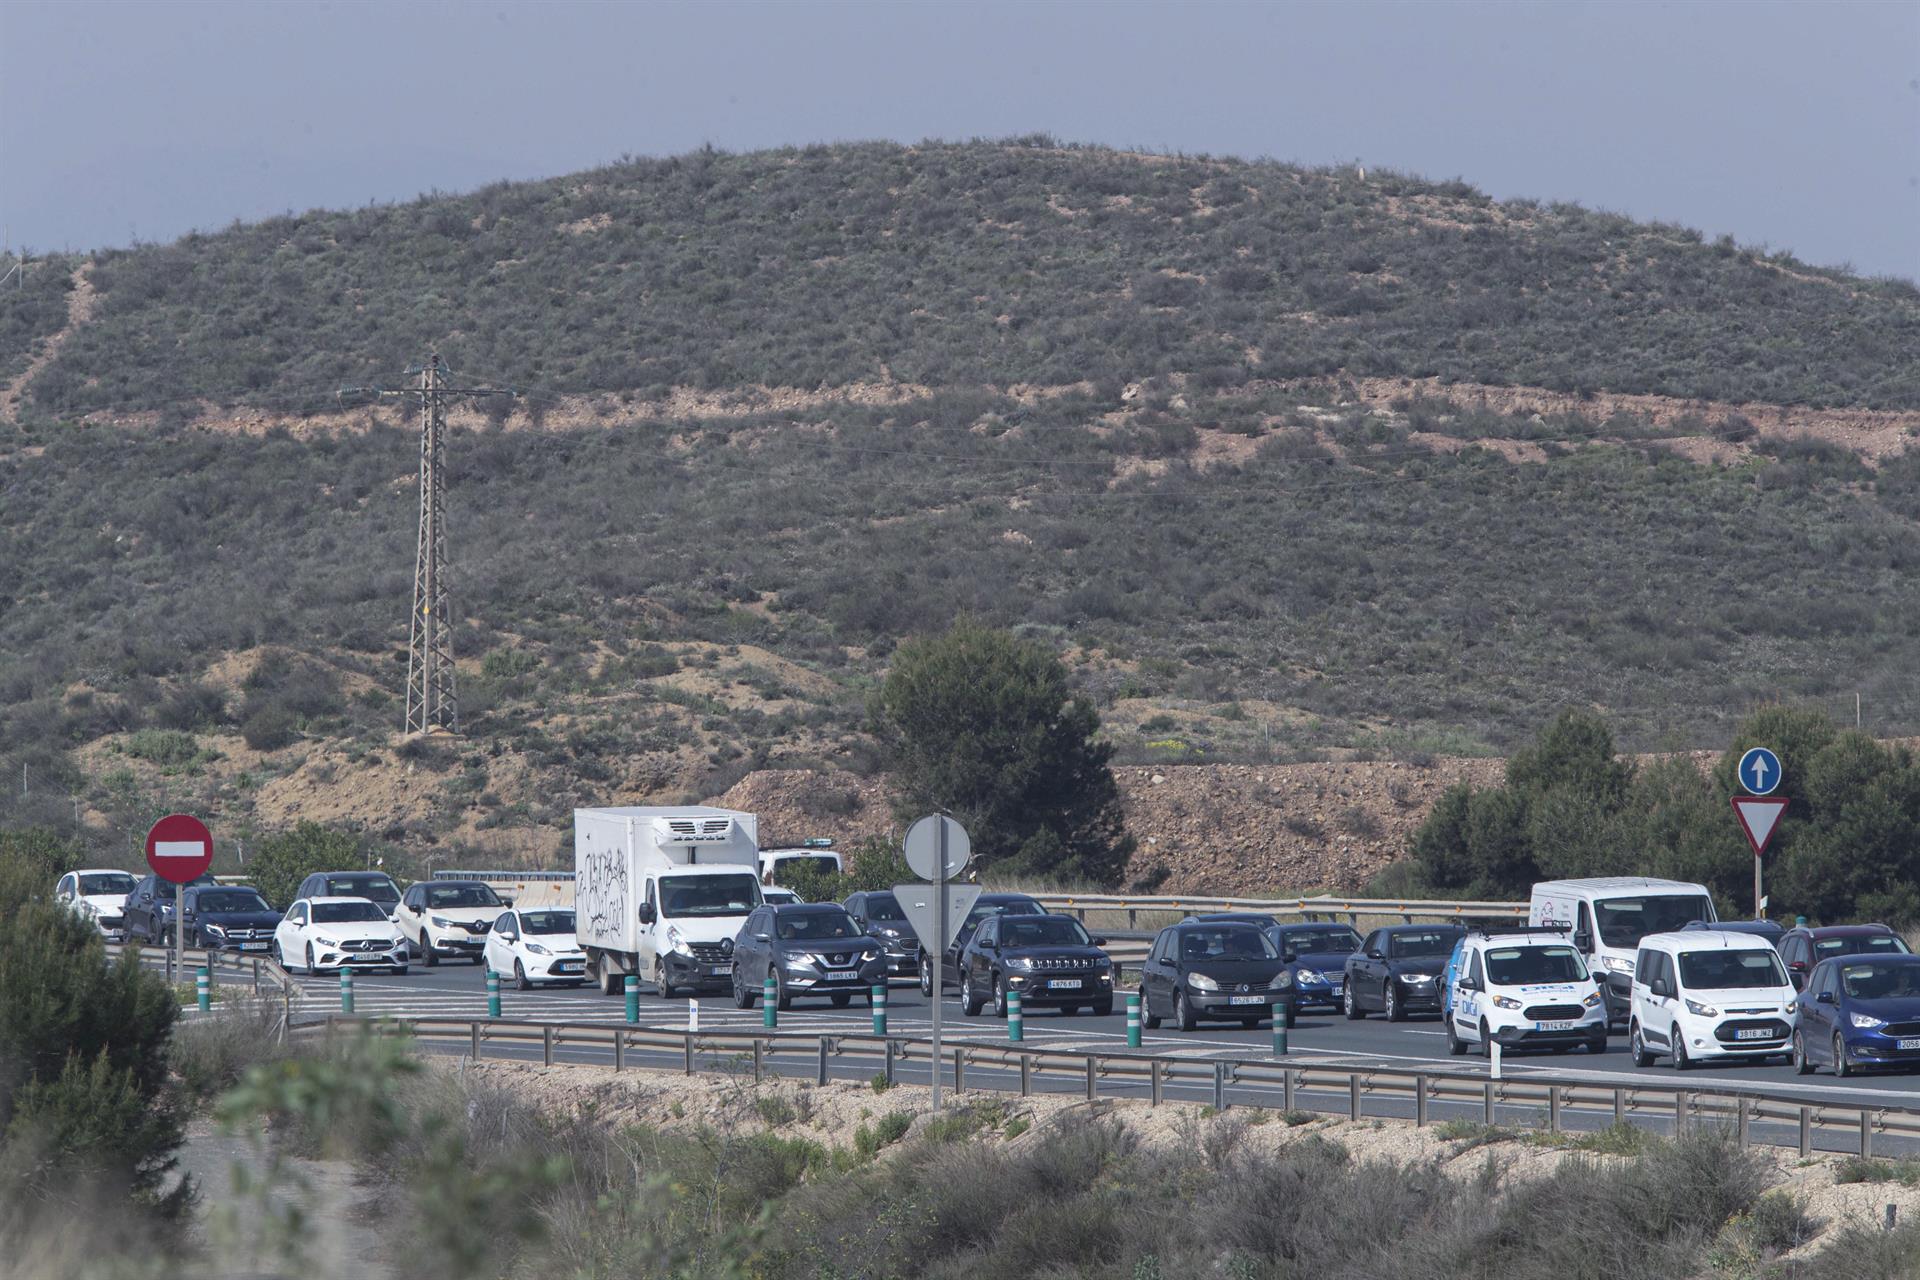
[1419, 1102]
[475, 1028]
[1486, 1103]
[1742, 1123]
[1286, 1089]
[1806, 1132]
[620, 1051]
[1026, 1076]
[1219, 1086]
[256, 975]
[1353, 1097]
[688, 1047]
[820, 1076]
[1153, 1078]
[1093, 1077]
[546, 1045]
[889, 1064]
[1553, 1108]
[1866, 1134]
[759, 1050]
[1682, 1110]
[960, 1069]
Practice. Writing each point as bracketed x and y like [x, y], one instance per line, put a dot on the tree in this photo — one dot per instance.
[284, 860]
[984, 726]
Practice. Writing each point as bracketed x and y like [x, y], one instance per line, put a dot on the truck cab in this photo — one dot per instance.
[1606, 918]
[660, 894]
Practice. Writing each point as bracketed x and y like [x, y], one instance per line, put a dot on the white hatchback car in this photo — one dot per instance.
[338, 933]
[1528, 989]
[99, 897]
[1710, 993]
[536, 945]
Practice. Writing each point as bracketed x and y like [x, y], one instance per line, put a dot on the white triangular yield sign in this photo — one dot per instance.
[917, 901]
[1759, 817]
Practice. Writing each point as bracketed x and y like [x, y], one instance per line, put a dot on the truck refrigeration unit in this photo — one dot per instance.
[661, 892]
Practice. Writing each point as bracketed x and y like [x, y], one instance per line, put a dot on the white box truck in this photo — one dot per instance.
[661, 892]
[1607, 916]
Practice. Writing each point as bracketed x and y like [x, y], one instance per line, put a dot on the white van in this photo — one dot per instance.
[1524, 989]
[1708, 993]
[1607, 917]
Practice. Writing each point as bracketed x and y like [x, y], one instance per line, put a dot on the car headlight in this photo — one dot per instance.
[726, 946]
[1415, 978]
[538, 950]
[214, 928]
[1699, 1010]
[325, 942]
[440, 922]
[1505, 1002]
[1593, 1001]
[1102, 963]
[802, 964]
[1020, 963]
[1793, 1006]
[677, 943]
[1201, 982]
[1866, 1021]
[1314, 975]
[1280, 981]
[1616, 964]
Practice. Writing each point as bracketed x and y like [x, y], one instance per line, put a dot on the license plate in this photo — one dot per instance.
[1249, 1000]
[722, 970]
[1759, 1033]
[1339, 988]
[1553, 1026]
[253, 946]
[1064, 984]
[1908, 1044]
[842, 975]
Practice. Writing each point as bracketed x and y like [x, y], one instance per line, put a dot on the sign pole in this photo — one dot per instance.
[180, 925]
[1759, 901]
[939, 954]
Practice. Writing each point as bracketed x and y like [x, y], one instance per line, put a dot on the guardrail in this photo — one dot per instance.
[1275, 1082]
[258, 970]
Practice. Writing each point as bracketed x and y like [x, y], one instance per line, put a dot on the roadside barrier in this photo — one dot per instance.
[203, 989]
[1290, 1086]
[1133, 1019]
[493, 994]
[346, 992]
[262, 973]
[1016, 1026]
[877, 1001]
[633, 999]
[769, 1003]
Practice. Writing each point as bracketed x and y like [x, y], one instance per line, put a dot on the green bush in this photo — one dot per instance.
[269, 728]
[281, 861]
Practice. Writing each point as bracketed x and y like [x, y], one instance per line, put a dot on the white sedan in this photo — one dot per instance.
[536, 946]
[338, 933]
[99, 897]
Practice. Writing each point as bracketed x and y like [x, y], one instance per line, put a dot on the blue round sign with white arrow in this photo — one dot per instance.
[1760, 771]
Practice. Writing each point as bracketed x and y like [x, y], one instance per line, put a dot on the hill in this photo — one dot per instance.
[1290, 465]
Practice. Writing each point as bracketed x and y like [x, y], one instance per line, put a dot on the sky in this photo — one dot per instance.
[1793, 126]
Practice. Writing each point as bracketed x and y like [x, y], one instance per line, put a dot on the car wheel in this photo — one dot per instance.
[1183, 1012]
[1289, 1015]
[426, 951]
[782, 998]
[1842, 1065]
[969, 1002]
[311, 971]
[1486, 1039]
[1597, 1044]
[999, 997]
[1147, 1015]
[1802, 1065]
[520, 982]
[1104, 1009]
[741, 998]
[660, 983]
[1642, 1057]
[1070, 1010]
[1455, 1045]
[926, 978]
[1351, 1003]
[1680, 1060]
[1249, 1024]
[1391, 1000]
[841, 999]
[399, 971]
[611, 983]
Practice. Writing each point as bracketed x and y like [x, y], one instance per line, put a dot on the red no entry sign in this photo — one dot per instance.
[179, 847]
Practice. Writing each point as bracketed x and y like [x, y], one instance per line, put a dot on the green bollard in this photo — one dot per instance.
[633, 999]
[346, 991]
[1280, 1030]
[493, 994]
[1016, 1026]
[203, 989]
[878, 999]
[1133, 1019]
[769, 1003]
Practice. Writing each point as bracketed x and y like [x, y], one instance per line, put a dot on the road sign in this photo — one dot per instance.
[179, 848]
[1760, 771]
[918, 901]
[1759, 818]
[923, 847]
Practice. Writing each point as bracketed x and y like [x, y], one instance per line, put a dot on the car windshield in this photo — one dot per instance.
[1043, 933]
[1320, 941]
[1860, 945]
[1013, 907]
[1720, 970]
[107, 882]
[1883, 981]
[1436, 943]
[463, 895]
[1227, 942]
[231, 900]
[825, 864]
[347, 913]
[1521, 966]
[686, 896]
[376, 888]
[806, 926]
[1624, 921]
[546, 921]
[884, 906]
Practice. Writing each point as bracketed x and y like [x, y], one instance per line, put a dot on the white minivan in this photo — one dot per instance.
[1607, 917]
[1708, 993]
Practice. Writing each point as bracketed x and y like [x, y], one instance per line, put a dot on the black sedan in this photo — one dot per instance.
[1397, 970]
[227, 918]
[878, 912]
[149, 909]
[809, 949]
[1049, 960]
[1226, 972]
[988, 905]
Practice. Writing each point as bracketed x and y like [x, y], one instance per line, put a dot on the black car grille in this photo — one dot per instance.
[711, 952]
[1901, 1029]
[1728, 1032]
[907, 945]
[366, 944]
[1061, 964]
[244, 935]
[111, 922]
[477, 926]
[1551, 1012]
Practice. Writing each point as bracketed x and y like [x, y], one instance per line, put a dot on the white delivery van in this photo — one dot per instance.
[1708, 993]
[1524, 989]
[817, 855]
[1607, 917]
[661, 893]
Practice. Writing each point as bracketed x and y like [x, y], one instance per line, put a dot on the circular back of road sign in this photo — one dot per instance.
[1760, 771]
[923, 847]
[179, 847]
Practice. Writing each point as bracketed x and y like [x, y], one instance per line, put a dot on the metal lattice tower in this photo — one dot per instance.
[433, 706]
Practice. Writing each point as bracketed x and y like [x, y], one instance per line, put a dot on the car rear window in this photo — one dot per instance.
[1866, 944]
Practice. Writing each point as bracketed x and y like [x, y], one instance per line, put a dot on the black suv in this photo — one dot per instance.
[1049, 960]
[149, 910]
[878, 913]
[988, 905]
[1397, 970]
[376, 887]
[810, 949]
[1224, 972]
[229, 918]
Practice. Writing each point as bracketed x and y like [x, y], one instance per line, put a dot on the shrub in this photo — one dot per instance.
[281, 861]
[269, 728]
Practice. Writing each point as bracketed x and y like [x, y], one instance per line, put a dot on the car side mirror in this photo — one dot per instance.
[1376, 954]
[1825, 997]
[1099, 942]
[765, 937]
[1583, 942]
[646, 913]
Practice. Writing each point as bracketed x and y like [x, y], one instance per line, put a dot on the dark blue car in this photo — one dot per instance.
[229, 918]
[1858, 1012]
[1317, 954]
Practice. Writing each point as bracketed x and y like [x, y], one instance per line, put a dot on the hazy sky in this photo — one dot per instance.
[1795, 126]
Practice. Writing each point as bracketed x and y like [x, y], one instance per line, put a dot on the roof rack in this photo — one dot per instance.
[1508, 930]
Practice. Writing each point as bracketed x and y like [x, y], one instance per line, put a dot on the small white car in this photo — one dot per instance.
[779, 897]
[338, 933]
[444, 919]
[99, 896]
[536, 945]
[1710, 993]
[1525, 989]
